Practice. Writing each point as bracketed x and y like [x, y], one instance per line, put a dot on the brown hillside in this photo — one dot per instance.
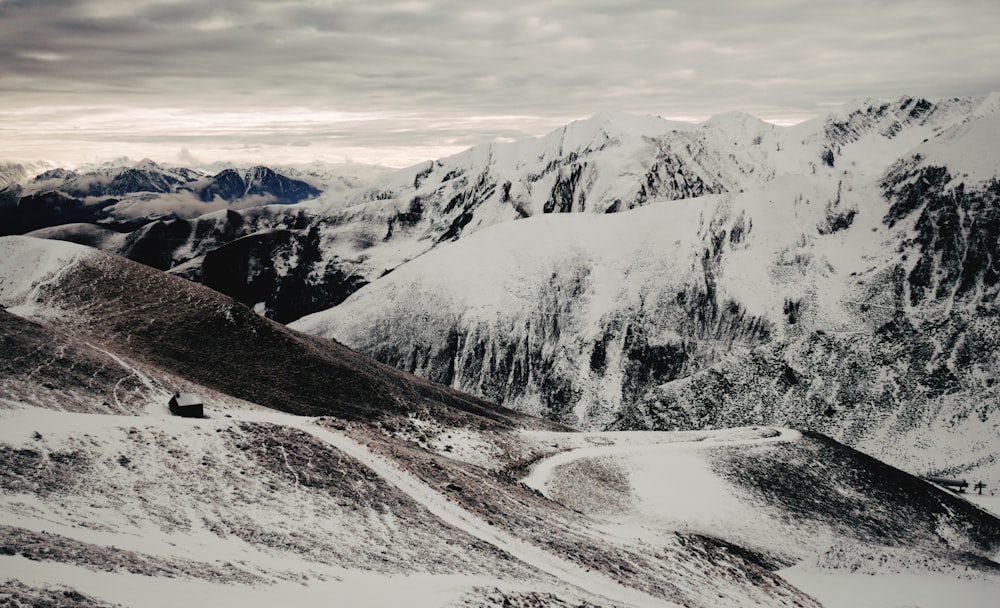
[213, 340]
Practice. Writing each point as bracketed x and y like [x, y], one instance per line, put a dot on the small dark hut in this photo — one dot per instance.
[188, 405]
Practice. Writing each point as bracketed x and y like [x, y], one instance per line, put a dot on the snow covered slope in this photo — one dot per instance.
[178, 325]
[858, 303]
[107, 499]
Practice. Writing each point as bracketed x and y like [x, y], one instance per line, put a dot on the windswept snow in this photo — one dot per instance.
[27, 266]
[215, 516]
[838, 589]
[347, 589]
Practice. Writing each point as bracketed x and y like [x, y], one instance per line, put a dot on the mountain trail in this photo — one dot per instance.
[453, 514]
[542, 472]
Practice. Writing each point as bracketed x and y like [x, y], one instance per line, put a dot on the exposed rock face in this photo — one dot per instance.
[932, 362]
[956, 256]
[245, 269]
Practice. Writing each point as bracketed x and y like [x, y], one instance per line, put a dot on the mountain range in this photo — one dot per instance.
[628, 272]
[840, 275]
[528, 307]
[123, 198]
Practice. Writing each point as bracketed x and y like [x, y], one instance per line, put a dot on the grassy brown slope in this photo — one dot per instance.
[48, 368]
[825, 484]
[213, 340]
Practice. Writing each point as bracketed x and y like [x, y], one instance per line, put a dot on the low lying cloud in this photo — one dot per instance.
[181, 204]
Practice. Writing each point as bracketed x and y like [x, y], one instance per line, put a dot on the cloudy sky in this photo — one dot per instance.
[396, 82]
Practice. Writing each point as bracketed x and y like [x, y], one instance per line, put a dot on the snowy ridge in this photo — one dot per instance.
[966, 146]
[28, 266]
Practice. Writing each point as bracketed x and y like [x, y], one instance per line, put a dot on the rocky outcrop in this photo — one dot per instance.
[954, 253]
[279, 272]
[932, 363]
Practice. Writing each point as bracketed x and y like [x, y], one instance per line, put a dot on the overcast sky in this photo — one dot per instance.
[398, 82]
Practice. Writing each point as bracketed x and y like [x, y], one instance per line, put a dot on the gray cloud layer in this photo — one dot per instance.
[427, 75]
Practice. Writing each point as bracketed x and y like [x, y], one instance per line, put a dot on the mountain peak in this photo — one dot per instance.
[593, 132]
[625, 123]
[120, 162]
[989, 105]
[733, 117]
[258, 172]
[147, 165]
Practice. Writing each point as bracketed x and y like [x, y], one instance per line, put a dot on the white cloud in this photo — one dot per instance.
[403, 78]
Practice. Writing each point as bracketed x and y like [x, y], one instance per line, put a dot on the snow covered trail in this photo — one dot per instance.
[542, 472]
[453, 514]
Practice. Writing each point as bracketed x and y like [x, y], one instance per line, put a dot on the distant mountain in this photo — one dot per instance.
[11, 174]
[112, 180]
[230, 185]
[126, 197]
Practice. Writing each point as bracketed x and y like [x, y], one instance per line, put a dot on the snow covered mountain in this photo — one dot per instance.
[847, 284]
[318, 473]
[611, 162]
[126, 197]
[12, 173]
[13, 176]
